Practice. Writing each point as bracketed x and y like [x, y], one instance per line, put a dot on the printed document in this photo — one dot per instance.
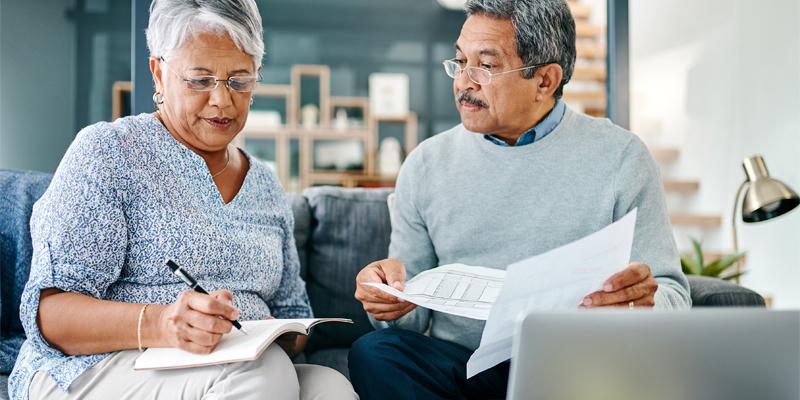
[556, 280]
[456, 289]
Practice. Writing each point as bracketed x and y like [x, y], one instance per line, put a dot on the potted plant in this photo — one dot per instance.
[694, 265]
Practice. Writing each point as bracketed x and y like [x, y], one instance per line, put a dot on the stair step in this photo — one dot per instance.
[680, 186]
[580, 11]
[589, 74]
[591, 50]
[585, 96]
[584, 30]
[664, 155]
[703, 221]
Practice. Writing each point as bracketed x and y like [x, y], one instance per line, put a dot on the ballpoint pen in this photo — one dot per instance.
[178, 270]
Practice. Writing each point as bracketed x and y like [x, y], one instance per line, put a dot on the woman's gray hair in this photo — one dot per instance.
[545, 31]
[174, 22]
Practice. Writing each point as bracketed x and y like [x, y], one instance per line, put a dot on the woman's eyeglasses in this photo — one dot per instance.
[206, 83]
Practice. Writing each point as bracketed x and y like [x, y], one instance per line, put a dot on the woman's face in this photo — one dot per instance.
[204, 121]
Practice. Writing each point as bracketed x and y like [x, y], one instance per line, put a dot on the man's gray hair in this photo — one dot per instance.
[174, 22]
[545, 31]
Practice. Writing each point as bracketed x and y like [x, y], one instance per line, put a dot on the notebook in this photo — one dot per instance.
[233, 347]
[703, 354]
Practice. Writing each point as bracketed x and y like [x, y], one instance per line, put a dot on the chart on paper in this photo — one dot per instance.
[456, 289]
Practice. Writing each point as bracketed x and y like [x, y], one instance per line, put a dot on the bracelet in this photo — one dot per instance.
[139, 328]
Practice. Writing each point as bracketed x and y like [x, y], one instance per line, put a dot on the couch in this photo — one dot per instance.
[337, 232]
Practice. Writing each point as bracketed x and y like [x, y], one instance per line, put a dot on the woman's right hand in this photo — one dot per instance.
[193, 322]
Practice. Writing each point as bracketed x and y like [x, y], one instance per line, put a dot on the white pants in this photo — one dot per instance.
[271, 376]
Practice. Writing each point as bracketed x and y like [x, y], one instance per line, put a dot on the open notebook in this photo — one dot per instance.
[234, 346]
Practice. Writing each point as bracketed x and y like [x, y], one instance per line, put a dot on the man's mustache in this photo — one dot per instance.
[464, 96]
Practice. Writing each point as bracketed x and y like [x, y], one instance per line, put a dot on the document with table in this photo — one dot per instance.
[556, 280]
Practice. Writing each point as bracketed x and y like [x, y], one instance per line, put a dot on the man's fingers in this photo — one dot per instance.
[625, 294]
[394, 271]
[393, 315]
[636, 272]
[378, 308]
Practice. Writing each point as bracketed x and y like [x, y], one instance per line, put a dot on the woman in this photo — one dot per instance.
[131, 193]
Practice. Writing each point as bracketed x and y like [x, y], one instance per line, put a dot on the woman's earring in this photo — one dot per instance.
[157, 98]
[251, 101]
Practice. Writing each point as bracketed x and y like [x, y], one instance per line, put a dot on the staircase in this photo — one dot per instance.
[586, 93]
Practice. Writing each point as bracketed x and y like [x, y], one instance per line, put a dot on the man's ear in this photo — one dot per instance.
[550, 75]
[155, 69]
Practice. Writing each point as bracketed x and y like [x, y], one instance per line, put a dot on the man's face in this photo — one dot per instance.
[503, 107]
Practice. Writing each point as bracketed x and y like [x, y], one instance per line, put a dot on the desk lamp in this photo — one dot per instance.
[766, 198]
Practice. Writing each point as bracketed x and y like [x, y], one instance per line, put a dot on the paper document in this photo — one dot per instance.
[456, 289]
[556, 280]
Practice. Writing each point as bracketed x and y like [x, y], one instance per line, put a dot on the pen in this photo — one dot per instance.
[177, 270]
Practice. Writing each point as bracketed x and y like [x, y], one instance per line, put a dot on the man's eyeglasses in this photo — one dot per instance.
[205, 83]
[480, 76]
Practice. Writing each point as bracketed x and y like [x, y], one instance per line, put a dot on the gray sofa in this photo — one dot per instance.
[338, 232]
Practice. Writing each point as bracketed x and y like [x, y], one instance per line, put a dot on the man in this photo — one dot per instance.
[522, 174]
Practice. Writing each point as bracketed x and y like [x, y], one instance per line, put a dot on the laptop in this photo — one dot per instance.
[625, 355]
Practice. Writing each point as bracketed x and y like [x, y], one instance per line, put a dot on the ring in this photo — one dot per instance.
[630, 305]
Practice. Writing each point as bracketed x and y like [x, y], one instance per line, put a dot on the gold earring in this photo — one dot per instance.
[251, 101]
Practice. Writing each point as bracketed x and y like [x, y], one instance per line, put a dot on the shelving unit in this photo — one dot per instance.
[293, 129]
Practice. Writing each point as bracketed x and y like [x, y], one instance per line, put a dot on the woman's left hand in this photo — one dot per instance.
[291, 343]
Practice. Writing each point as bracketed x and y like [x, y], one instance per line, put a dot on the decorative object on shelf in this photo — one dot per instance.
[390, 156]
[338, 155]
[766, 198]
[267, 120]
[309, 115]
[694, 265]
[340, 121]
[388, 95]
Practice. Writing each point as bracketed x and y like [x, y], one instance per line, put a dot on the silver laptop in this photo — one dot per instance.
[704, 354]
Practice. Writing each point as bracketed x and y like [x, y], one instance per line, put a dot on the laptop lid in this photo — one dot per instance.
[703, 354]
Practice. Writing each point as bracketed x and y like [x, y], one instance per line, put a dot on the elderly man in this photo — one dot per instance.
[522, 174]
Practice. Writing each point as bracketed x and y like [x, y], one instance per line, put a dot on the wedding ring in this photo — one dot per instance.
[630, 305]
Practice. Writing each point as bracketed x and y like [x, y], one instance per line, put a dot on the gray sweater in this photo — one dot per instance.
[462, 199]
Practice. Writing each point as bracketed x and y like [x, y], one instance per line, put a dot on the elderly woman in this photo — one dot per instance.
[129, 194]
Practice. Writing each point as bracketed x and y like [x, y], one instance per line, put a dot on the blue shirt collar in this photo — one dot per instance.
[539, 131]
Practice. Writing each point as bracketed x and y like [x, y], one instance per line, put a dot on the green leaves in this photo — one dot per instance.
[694, 265]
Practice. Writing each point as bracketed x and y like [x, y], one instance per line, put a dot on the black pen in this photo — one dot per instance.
[177, 270]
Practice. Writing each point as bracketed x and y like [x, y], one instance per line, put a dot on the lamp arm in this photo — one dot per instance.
[733, 224]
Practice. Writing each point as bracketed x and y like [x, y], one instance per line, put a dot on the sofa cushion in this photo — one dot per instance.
[350, 229]
[20, 189]
[302, 228]
[712, 292]
[335, 358]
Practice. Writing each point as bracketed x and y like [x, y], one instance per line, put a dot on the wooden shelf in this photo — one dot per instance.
[681, 186]
[323, 131]
[703, 221]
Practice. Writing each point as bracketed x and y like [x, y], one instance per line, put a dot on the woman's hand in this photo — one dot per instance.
[291, 343]
[193, 322]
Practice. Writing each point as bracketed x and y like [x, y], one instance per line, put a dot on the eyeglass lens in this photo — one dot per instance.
[206, 83]
[477, 75]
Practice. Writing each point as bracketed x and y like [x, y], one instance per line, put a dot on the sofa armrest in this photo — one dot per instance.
[712, 292]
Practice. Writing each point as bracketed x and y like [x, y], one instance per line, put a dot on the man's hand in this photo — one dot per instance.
[383, 306]
[633, 284]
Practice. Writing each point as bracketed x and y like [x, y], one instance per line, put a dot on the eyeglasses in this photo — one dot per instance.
[206, 83]
[480, 76]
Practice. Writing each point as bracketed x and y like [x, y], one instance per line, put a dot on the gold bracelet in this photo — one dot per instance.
[139, 328]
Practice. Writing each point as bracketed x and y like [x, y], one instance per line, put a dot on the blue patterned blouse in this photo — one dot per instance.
[126, 196]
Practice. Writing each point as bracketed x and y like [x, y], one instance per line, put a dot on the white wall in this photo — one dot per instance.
[37, 78]
[720, 80]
